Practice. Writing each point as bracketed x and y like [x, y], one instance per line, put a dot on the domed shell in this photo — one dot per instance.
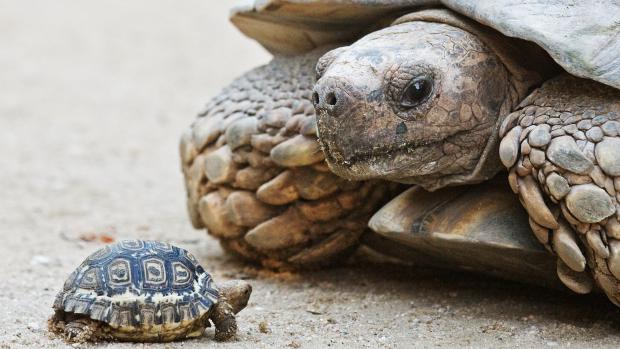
[139, 283]
[297, 26]
[581, 36]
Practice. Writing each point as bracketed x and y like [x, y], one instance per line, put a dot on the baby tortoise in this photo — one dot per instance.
[145, 291]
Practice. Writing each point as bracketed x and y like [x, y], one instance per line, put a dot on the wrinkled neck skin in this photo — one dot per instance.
[236, 293]
[373, 124]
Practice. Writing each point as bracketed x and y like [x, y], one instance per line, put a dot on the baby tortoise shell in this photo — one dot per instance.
[142, 291]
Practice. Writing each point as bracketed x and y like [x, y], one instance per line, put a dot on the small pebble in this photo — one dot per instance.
[262, 327]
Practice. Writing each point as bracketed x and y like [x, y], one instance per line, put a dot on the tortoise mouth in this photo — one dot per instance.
[394, 162]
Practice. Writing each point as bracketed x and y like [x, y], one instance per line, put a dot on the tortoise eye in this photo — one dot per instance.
[416, 92]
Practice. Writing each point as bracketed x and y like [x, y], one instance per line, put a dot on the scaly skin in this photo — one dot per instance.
[256, 177]
[563, 152]
[367, 132]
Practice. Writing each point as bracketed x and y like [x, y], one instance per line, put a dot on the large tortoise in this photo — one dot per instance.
[424, 97]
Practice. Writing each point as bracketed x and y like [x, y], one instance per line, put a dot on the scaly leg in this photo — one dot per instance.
[563, 152]
[256, 177]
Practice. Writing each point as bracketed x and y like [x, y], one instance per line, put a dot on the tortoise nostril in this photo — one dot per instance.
[315, 98]
[331, 99]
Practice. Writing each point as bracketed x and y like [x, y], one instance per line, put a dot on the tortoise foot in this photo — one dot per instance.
[256, 177]
[563, 152]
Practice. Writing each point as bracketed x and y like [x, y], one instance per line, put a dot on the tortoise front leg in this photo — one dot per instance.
[256, 177]
[223, 318]
[81, 330]
[563, 152]
[75, 329]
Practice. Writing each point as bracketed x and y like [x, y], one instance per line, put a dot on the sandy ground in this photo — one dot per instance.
[93, 97]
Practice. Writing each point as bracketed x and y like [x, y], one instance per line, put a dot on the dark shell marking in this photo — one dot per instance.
[139, 283]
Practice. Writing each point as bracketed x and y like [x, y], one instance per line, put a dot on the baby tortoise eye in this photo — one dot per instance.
[416, 92]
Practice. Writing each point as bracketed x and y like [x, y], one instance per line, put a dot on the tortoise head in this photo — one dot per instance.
[237, 293]
[415, 103]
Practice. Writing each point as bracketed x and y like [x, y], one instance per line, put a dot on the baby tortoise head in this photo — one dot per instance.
[415, 103]
[237, 293]
[234, 296]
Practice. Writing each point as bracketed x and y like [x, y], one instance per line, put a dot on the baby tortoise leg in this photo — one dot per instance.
[81, 330]
[75, 329]
[223, 318]
[234, 296]
[563, 151]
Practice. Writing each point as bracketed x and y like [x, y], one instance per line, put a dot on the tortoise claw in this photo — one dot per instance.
[578, 282]
[595, 241]
[532, 197]
[566, 246]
